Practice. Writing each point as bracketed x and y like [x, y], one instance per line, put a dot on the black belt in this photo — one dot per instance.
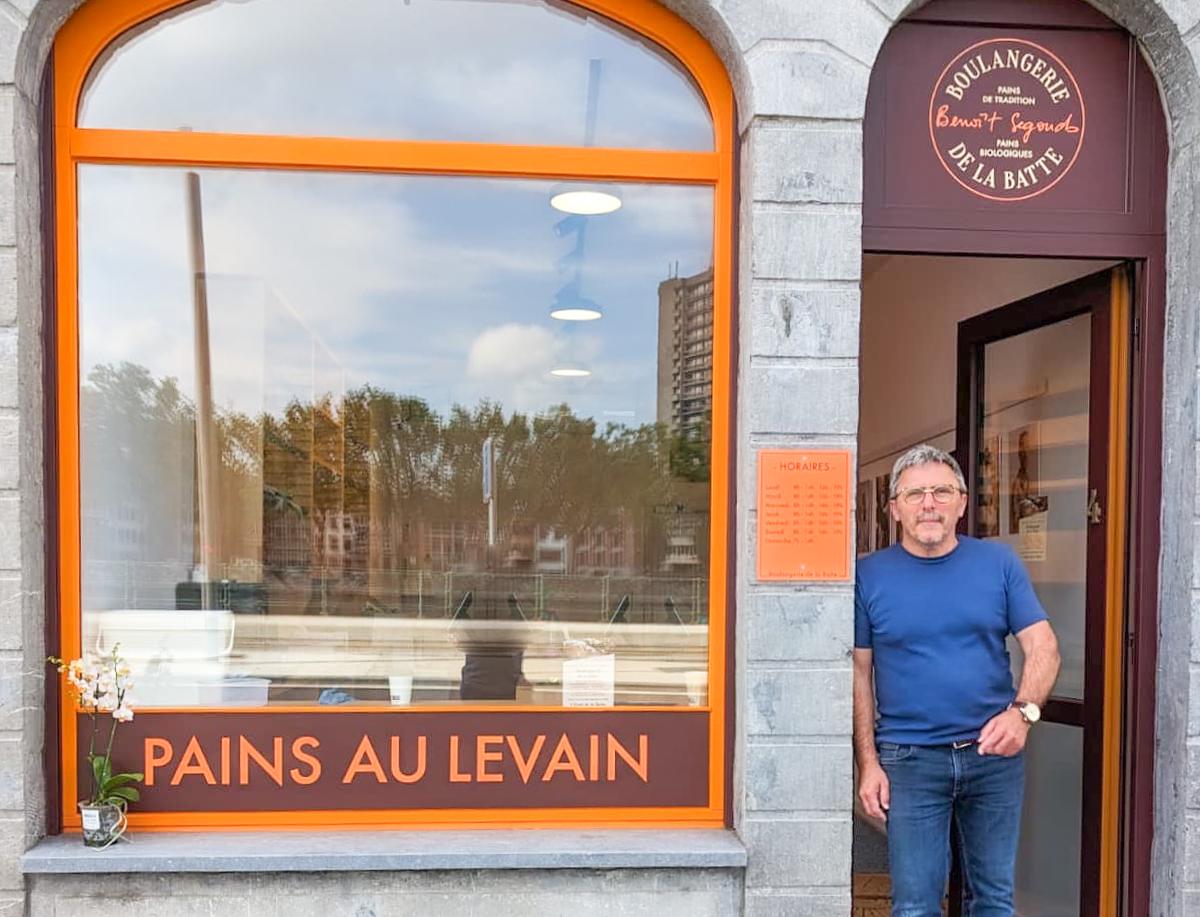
[967, 743]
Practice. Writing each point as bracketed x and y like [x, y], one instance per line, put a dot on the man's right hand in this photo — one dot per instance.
[873, 791]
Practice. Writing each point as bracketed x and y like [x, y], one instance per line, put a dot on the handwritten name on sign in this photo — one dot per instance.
[803, 514]
[266, 761]
[1006, 118]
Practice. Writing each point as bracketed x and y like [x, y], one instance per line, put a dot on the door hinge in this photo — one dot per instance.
[1095, 513]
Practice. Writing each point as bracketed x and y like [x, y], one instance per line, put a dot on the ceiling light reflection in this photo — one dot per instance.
[585, 201]
[576, 314]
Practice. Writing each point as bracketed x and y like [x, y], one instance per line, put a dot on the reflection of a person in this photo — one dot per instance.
[491, 671]
[491, 674]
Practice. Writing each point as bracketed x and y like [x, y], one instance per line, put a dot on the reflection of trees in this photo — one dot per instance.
[136, 440]
[311, 485]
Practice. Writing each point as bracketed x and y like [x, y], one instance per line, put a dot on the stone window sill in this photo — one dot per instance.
[344, 851]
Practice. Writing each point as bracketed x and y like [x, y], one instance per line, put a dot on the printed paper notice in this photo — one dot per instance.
[1031, 543]
[804, 514]
[588, 682]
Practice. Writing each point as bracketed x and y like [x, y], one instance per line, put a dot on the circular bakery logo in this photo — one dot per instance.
[1006, 119]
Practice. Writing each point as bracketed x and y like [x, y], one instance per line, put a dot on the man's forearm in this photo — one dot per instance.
[1039, 674]
[864, 720]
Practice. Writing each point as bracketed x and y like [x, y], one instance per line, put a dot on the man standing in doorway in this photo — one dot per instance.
[930, 620]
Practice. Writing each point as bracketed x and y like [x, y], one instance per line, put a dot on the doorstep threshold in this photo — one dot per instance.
[348, 851]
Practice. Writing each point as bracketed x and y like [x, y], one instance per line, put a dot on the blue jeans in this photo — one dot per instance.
[984, 793]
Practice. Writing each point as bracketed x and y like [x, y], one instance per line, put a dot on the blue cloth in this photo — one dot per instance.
[936, 628]
[984, 792]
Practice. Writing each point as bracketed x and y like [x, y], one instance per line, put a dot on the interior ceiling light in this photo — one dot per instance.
[576, 314]
[585, 201]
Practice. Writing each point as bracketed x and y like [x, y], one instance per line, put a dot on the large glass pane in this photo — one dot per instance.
[1033, 465]
[504, 71]
[1048, 861]
[290, 507]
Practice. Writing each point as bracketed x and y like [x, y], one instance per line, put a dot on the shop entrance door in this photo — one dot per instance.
[1043, 429]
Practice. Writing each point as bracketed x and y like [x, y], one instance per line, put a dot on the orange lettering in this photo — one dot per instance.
[563, 759]
[593, 757]
[483, 756]
[314, 765]
[225, 743]
[192, 761]
[641, 766]
[455, 775]
[152, 760]
[272, 768]
[525, 765]
[365, 762]
[419, 772]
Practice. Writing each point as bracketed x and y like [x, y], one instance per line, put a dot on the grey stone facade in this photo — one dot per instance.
[800, 69]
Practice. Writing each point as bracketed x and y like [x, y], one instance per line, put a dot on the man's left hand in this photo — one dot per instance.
[1004, 734]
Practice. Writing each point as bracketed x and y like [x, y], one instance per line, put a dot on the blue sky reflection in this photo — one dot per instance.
[435, 287]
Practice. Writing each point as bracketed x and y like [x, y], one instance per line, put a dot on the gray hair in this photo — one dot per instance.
[924, 454]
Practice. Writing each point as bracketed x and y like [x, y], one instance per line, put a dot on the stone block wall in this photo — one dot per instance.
[460, 893]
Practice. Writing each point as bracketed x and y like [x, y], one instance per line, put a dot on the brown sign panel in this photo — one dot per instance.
[1006, 118]
[244, 762]
[803, 514]
[1011, 139]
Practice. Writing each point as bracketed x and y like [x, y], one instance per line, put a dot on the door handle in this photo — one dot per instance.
[1095, 513]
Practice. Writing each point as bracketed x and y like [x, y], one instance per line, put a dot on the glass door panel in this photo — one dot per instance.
[1032, 478]
[1032, 491]
[1048, 858]
[1036, 433]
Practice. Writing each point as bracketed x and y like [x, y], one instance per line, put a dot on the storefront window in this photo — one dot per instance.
[370, 340]
[393, 347]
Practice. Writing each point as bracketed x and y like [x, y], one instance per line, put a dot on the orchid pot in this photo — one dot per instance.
[101, 686]
[103, 824]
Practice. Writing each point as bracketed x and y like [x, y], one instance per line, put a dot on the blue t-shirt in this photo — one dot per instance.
[936, 628]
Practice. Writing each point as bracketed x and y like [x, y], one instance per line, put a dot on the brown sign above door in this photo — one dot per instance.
[1006, 118]
[1012, 139]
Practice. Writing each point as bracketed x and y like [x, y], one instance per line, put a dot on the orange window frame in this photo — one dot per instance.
[78, 46]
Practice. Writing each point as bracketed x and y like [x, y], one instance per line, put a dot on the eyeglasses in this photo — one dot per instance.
[943, 494]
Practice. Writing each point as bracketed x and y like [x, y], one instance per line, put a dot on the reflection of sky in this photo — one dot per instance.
[434, 287]
[509, 71]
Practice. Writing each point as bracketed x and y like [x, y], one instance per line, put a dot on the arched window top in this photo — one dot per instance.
[497, 71]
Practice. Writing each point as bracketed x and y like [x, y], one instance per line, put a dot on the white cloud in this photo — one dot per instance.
[512, 352]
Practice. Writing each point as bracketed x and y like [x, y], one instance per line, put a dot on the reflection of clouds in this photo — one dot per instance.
[511, 365]
[511, 351]
[675, 212]
[500, 71]
[402, 279]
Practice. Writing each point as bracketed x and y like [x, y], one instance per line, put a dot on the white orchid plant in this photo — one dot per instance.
[101, 685]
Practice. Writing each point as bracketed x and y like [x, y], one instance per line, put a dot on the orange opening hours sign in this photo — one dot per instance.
[803, 514]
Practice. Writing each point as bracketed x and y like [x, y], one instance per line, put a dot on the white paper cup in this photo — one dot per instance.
[400, 688]
[696, 683]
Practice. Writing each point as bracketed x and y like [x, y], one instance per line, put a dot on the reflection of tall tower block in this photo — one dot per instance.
[685, 347]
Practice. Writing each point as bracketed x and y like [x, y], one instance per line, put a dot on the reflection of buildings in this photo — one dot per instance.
[685, 347]
[551, 548]
[685, 367]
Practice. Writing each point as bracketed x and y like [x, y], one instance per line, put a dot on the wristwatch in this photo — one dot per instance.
[1030, 712]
